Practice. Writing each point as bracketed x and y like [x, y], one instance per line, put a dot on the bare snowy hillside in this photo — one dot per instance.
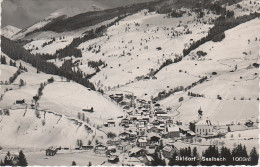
[9, 31]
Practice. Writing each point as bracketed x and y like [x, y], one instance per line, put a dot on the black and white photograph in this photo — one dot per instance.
[129, 82]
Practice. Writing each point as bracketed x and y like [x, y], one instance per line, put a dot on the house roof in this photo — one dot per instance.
[167, 148]
[191, 133]
[142, 140]
[204, 122]
[173, 129]
[149, 135]
[111, 147]
[135, 150]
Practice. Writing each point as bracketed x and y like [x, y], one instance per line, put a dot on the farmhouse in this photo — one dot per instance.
[100, 149]
[173, 132]
[110, 123]
[87, 147]
[124, 136]
[51, 151]
[153, 138]
[20, 101]
[154, 129]
[169, 150]
[142, 142]
[91, 110]
[249, 123]
[137, 152]
[113, 159]
[113, 142]
[111, 150]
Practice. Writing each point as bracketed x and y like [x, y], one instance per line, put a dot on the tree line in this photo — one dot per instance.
[216, 33]
[16, 52]
[12, 160]
[211, 156]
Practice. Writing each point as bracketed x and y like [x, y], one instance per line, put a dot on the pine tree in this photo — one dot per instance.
[226, 153]
[157, 161]
[8, 161]
[195, 154]
[212, 151]
[254, 156]
[22, 160]
[73, 163]
[1, 163]
[3, 60]
[173, 161]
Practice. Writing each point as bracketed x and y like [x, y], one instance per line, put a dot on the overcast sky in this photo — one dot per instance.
[23, 13]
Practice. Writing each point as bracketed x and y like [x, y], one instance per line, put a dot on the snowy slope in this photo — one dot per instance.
[9, 31]
[59, 106]
[22, 128]
[129, 48]
[70, 98]
[61, 39]
[222, 57]
[245, 7]
[6, 72]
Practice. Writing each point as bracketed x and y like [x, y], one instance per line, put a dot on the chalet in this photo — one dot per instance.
[100, 149]
[169, 122]
[178, 123]
[110, 123]
[159, 48]
[124, 136]
[169, 150]
[122, 103]
[146, 119]
[173, 132]
[156, 122]
[111, 150]
[141, 142]
[20, 101]
[190, 134]
[146, 78]
[51, 151]
[125, 120]
[163, 116]
[157, 105]
[141, 126]
[154, 77]
[154, 129]
[137, 152]
[126, 107]
[118, 97]
[91, 110]
[184, 129]
[113, 159]
[249, 123]
[113, 142]
[153, 138]
[87, 147]
[133, 135]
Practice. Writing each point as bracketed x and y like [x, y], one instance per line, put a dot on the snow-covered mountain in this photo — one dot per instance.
[130, 56]
[72, 11]
[9, 31]
[59, 14]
